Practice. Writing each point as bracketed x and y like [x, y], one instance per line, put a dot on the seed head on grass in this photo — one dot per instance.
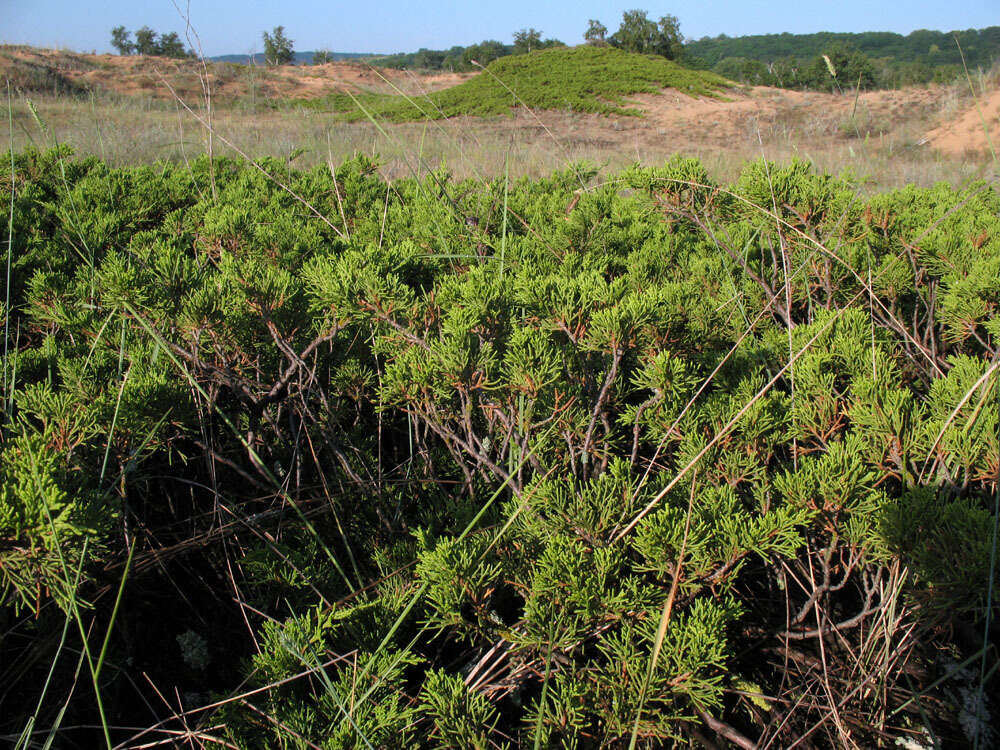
[829, 65]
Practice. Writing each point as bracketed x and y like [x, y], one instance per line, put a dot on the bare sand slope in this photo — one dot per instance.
[134, 75]
[766, 112]
[975, 130]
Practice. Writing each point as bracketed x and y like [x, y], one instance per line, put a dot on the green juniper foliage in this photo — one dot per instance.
[446, 463]
[583, 79]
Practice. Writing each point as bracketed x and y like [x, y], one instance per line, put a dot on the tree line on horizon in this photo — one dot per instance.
[637, 33]
[827, 61]
[149, 42]
[824, 61]
[871, 59]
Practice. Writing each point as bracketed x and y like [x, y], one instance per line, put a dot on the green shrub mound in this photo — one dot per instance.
[580, 79]
[555, 463]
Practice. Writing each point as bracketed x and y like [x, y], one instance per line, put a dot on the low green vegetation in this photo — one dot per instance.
[581, 79]
[326, 461]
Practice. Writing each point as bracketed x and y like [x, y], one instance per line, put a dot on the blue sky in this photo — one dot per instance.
[234, 26]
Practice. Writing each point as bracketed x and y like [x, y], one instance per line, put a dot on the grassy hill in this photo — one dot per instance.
[582, 79]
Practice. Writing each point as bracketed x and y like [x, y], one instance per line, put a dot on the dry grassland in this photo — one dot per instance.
[137, 115]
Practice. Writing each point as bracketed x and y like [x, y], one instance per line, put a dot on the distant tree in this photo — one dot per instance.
[596, 32]
[483, 53]
[905, 74]
[637, 32]
[428, 59]
[170, 45]
[278, 47]
[121, 40]
[744, 70]
[145, 41]
[322, 57]
[787, 72]
[453, 59]
[527, 40]
[840, 67]
[670, 43]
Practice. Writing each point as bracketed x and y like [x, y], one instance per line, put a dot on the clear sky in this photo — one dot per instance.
[234, 26]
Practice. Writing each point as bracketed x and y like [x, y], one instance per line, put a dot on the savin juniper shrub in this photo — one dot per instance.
[460, 464]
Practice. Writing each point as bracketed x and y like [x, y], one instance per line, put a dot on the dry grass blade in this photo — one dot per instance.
[6, 395]
[665, 615]
[975, 96]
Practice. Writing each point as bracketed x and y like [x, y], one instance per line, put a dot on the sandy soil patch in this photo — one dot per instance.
[771, 111]
[976, 130]
[155, 77]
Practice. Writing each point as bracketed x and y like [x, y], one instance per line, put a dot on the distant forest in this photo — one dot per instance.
[980, 46]
[872, 59]
[880, 59]
[826, 61]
